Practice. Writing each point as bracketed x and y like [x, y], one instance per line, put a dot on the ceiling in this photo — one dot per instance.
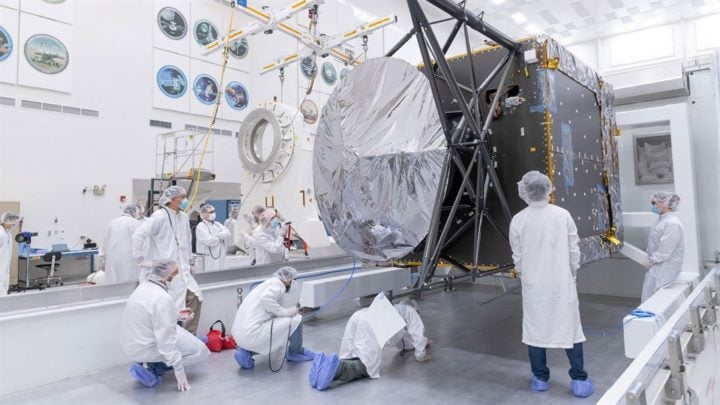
[570, 21]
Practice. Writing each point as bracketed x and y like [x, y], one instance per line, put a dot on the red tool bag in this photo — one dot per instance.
[217, 340]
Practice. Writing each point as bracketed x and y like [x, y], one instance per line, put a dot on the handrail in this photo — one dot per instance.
[626, 383]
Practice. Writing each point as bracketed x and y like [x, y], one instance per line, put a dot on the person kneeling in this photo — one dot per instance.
[360, 353]
[263, 324]
[150, 333]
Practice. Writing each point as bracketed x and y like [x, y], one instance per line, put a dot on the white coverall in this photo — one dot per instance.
[211, 242]
[117, 250]
[665, 252]
[359, 340]
[149, 331]
[544, 242]
[269, 247]
[5, 258]
[169, 237]
[230, 225]
[259, 310]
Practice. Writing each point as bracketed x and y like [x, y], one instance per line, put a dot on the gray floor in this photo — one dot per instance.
[477, 358]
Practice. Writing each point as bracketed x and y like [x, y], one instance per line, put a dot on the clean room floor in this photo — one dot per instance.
[477, 359]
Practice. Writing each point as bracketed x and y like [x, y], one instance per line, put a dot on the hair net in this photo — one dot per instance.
[257, 210]
[534, 186]
[135, 210]
[162, 268]
[286, 274]
[170, 193]
[670, 200]
[205, 208]
[9, 218]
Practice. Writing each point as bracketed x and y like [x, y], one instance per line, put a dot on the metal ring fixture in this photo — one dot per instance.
[275, 118]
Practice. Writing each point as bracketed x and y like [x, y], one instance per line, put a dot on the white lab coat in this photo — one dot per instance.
[665, 251]
[5, 258]
[359, 340]
[168, 237]
[544, 242]
[211, 242]
[149, 330]
[117, 250]
[230, 225]
[269, 247]
[259, 311]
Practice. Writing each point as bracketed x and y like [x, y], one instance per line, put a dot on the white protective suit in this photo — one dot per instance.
[269, 247]
[211, 242]
[665, 251]
[117, 250]
[544, 242]
[230, 225]
[168, 236]
[259, 310]
[149, 330]
[359, 339]
[6, 248]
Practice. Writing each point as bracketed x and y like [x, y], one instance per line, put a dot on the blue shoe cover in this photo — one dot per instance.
[327, 371]
[539, 385]
[144, 375]
[582, 388]
[315, 368]
[203, 339]
[304, 355]
[244, 358]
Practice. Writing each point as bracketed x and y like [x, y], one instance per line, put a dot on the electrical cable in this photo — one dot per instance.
[215, 111]
[287, 345]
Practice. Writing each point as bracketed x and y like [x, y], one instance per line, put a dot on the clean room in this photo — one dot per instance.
[498, 201]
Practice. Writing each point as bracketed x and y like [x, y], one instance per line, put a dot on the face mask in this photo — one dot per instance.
[211, 217]
[275, 224]
[184, 204]
[655, 210]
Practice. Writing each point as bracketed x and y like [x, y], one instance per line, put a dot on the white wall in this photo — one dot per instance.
[48, 158]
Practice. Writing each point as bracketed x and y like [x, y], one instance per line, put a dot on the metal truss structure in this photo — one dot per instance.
[468, 134]
[315, 44]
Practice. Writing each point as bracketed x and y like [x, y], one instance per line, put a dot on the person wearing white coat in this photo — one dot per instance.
[665, 248]
[360, 354]
[230, 224]
[544, 243]
[261, 320]
[211, 239]
[116, 257]
[166, 234]
[149, 332]
[268, 241]
[8, 220]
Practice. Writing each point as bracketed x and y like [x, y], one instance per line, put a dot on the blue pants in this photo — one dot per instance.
[296, 341]
[538, 362]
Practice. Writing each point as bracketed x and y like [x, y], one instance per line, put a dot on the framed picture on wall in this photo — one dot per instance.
[653, 159]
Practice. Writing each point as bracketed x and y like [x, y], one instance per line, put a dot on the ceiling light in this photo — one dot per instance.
[518, 18]
[498, 1]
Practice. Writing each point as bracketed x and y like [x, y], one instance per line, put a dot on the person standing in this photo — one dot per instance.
[116, 257]
[544, 243]
[8, 220]
[269, 240]
[665, 249]
[230, 224]
[211, 239]
[167, 234]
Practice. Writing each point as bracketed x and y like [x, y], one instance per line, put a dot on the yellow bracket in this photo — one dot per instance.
[611, 237]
